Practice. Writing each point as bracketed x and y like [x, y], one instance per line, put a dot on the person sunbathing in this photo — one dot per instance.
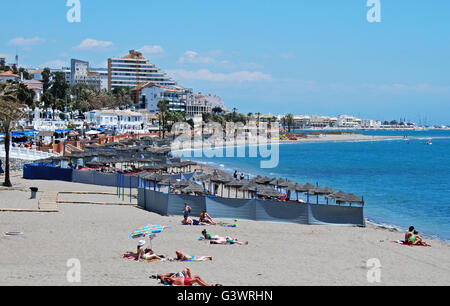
[164, 277]
[187, 281]
[185, 257]
[205, 218]
[227, 240]
[221, 240]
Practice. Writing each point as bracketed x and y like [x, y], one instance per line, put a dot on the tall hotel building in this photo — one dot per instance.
[134, 69]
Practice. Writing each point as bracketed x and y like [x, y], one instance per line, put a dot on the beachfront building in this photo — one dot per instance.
[132, 70]
[302, 121]
[80, 73]
[149, 94]
[35, 74]
[151, 121]
[8, 76]
[322, 121]
[345, 121]
[2, 60]
[195, 108]
[370, 124]
[37, 86]
[121, 120]
[65, 70]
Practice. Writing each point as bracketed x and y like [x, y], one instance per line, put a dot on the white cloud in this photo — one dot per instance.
[55, 64]
[155, 49]
[93, 44]
[206, 75]
[25, 42]
[193, 57]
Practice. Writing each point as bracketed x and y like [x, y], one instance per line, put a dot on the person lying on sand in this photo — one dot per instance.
[187, 281]
[187, 220]
[205, 218]
[221, 240]
[227, 240]
[185, 257]
[164, 277]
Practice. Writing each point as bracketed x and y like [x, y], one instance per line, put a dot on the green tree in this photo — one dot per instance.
[11, 111]
[46, 75]
[162, 114]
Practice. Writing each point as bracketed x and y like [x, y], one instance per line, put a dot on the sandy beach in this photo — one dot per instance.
[277, 254]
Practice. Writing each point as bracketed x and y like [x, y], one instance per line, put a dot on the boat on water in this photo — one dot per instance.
[429, 142]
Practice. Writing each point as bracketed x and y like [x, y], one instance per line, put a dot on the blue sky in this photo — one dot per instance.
[304, 57]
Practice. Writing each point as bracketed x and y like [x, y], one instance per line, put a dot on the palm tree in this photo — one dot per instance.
[11, 111]
[289, 120]
[257, 122]
[162, 106]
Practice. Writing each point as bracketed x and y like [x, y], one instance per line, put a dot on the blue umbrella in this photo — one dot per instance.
[149, 230]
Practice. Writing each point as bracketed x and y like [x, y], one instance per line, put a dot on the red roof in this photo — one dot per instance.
[8, 74]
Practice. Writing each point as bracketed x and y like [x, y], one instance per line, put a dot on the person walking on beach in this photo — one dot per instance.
[242, 176]
[235, 175]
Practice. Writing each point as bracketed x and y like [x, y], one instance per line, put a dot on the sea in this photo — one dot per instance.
[404, 182]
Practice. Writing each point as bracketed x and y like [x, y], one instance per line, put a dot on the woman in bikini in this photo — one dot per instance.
[185, 257]
[187, 281]
[205, 218]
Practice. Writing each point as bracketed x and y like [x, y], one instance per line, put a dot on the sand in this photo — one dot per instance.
[278, 253]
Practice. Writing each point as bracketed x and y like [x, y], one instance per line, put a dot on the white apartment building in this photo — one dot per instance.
[345, 121]
[149, 94]
[80, 72]
[132, 70]
[370, 124]
[122, 120]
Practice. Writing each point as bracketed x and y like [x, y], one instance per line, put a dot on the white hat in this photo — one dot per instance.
[141, 242]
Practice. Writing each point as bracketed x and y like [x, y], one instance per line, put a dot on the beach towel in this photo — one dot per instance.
[403, 243]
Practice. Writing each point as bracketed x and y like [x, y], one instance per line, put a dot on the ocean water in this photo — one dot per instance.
[403, 182]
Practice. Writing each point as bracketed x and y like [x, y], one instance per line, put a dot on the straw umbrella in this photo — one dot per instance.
[234, 184]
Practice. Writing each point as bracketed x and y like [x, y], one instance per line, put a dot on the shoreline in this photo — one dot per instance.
[278, 254]
[382, 224]
[325, 139]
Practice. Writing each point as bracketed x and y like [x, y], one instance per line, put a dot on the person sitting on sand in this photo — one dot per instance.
[415, 239]
[146, 254]
[408, 234]
[205, 218]
[187, 281]
[185, 257]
